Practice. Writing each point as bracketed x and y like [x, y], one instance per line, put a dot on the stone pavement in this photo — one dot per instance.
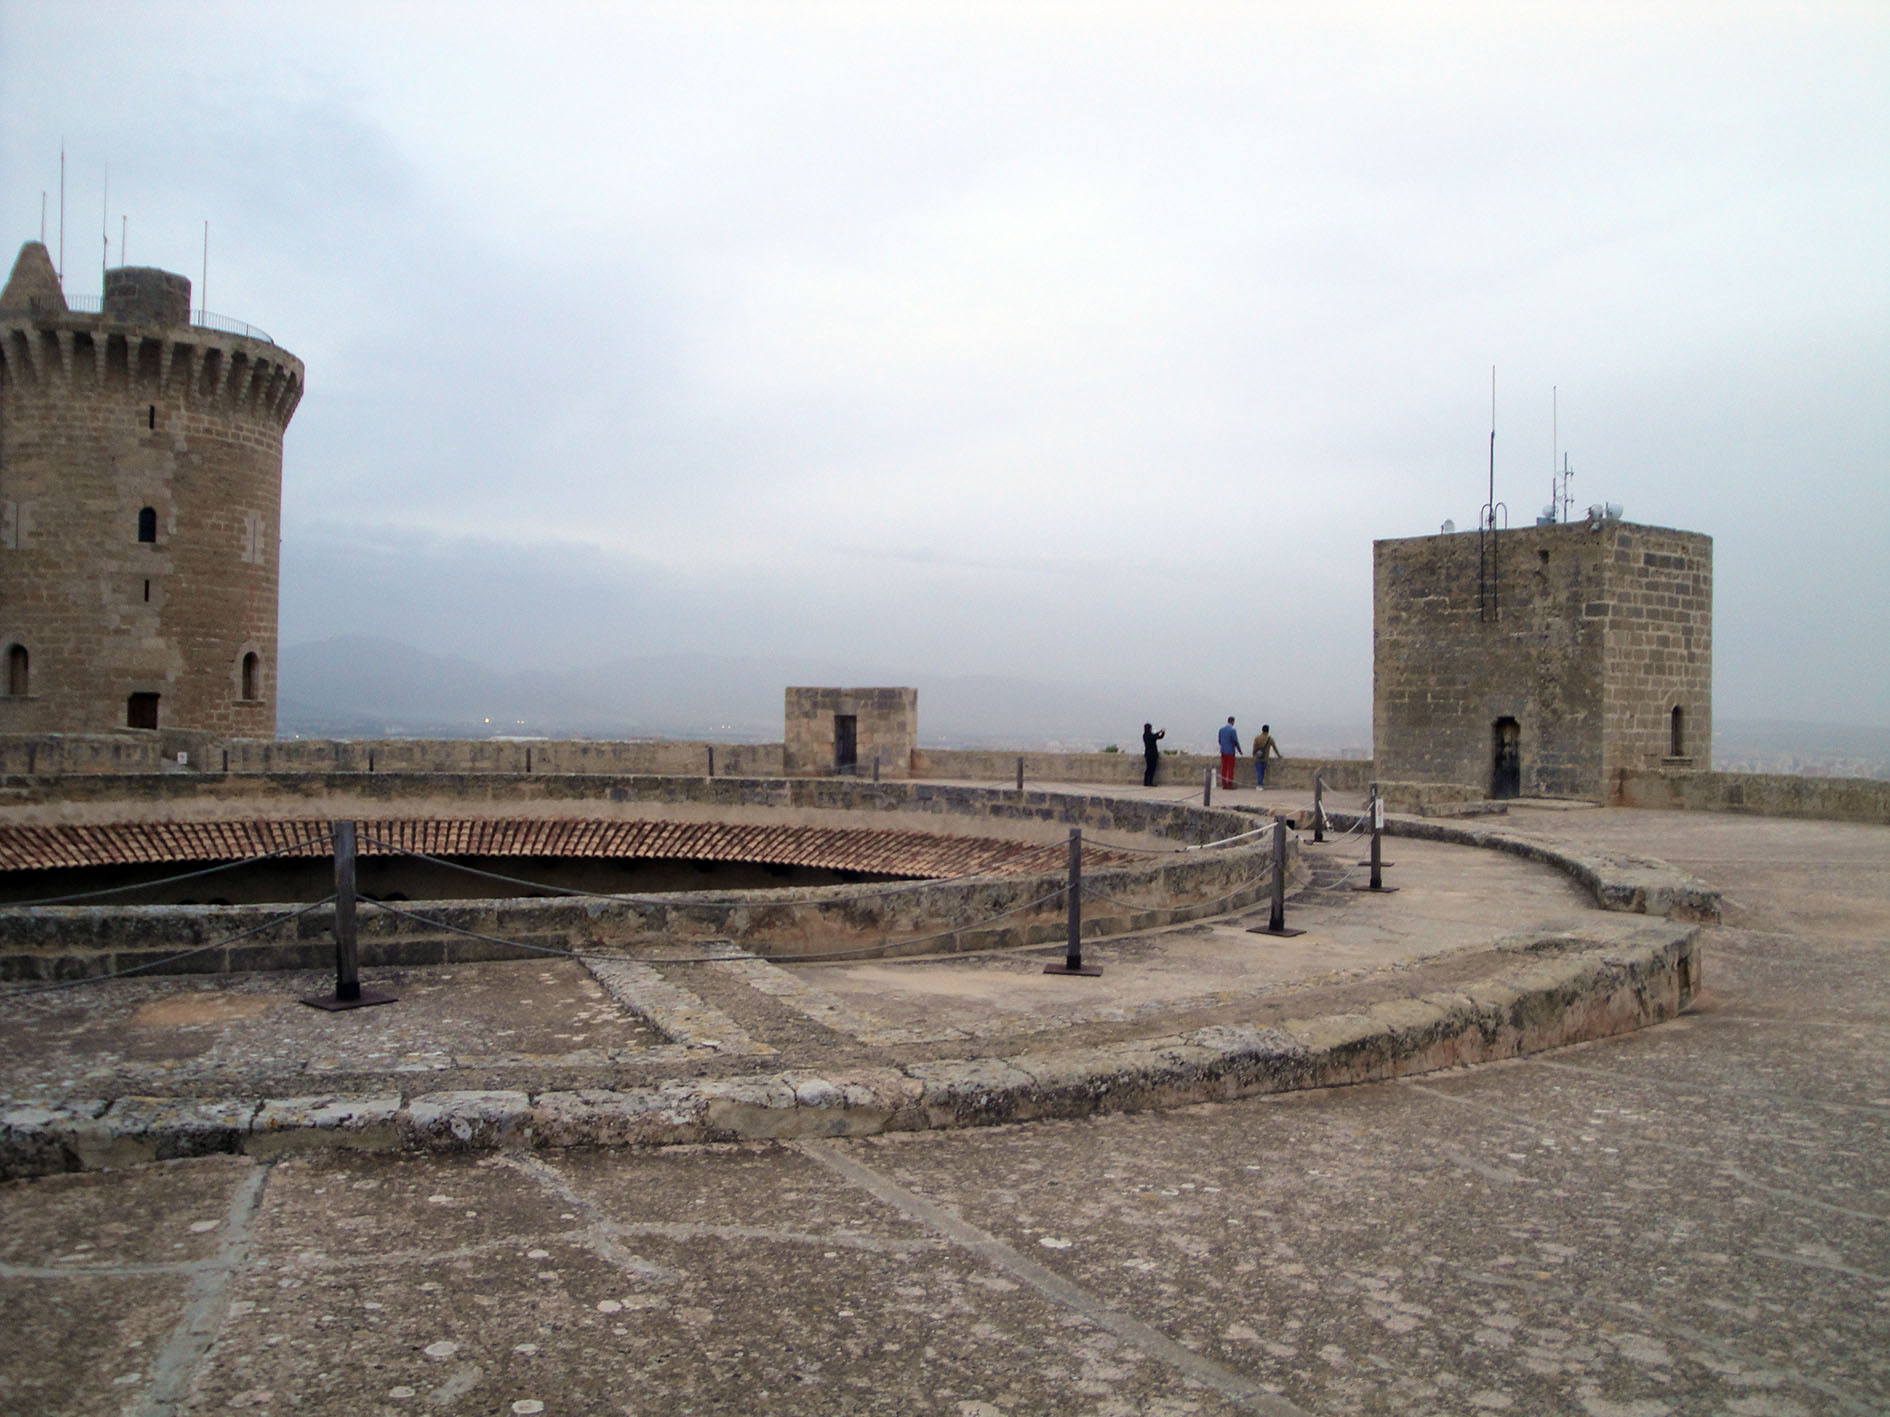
[1690, 1219]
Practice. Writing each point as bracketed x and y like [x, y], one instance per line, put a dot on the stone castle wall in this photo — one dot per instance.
[1659, 632]
[886, 723]
[1443, 674]
[1759, 794]
[140, 502]
[130, 767]
[1586, 634]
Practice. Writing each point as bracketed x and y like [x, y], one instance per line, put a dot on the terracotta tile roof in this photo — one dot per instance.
[897, 853]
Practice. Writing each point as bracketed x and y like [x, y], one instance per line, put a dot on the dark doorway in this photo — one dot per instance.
[846, 742]
[141, 711]
[1506, 768]
[1677, 733]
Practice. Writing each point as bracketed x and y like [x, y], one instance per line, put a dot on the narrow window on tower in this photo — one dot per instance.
[151, 418]
[252, 673]
[17, 666]
[147, 592]
[147, 524]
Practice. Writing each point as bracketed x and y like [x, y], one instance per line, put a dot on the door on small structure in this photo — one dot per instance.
[141, 711]
[846, 742]
[1506, 764]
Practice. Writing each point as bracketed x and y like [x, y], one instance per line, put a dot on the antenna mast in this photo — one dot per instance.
[1488, 606]
[1559, 499]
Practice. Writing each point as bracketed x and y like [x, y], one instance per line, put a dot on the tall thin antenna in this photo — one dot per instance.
[203, 286]
[42, 216]
[1555, 450]
[1488, 599]
[62, 211]
[124, 225]
[105, 228]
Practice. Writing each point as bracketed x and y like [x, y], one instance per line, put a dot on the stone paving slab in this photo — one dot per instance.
[1685, 1221]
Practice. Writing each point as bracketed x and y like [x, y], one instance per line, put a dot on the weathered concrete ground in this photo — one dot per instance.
[1693, 1219]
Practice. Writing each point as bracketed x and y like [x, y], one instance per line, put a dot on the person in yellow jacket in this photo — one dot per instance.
[1263, 746]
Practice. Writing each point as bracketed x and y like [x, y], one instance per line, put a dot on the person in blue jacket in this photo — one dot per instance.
[1230, 749]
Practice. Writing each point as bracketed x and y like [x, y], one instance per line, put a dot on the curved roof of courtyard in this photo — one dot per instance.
[882, 852]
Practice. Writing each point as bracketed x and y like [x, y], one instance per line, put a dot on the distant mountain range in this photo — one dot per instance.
[368, 687]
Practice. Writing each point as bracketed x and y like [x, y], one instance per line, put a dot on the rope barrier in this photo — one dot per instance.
[826, 955]
[1357, 827]
[1181, 850]
[171, 959]
[152, 885]
[1130, 905]
[879, 891]
[567, 953]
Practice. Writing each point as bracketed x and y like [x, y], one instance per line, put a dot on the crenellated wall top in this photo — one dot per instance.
[138, 336]
[47, 351]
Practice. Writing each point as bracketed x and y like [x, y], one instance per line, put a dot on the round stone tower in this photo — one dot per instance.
[140, 501]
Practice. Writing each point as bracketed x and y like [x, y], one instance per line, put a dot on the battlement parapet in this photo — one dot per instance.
[46, 351]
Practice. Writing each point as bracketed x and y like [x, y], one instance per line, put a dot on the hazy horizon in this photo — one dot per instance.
[352, 687]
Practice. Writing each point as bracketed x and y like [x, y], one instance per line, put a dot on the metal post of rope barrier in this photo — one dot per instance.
[1376, 806]
[1318, 807]
[1207, 787]
[348, 991]
[876, 767]
[1073, 958]
[1377, 863]
[1276, 921]
[1020, 774]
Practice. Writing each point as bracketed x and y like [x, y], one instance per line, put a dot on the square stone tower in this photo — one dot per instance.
[1542, 661]
[844, 730]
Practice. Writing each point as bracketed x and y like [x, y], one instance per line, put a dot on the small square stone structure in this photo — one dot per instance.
[885, 725]
[1577, 651]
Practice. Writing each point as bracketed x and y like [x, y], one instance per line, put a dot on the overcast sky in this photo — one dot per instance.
[1067, 341]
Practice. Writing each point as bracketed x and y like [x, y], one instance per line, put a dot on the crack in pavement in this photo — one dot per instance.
[207, 1304]
[1152, 1341]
